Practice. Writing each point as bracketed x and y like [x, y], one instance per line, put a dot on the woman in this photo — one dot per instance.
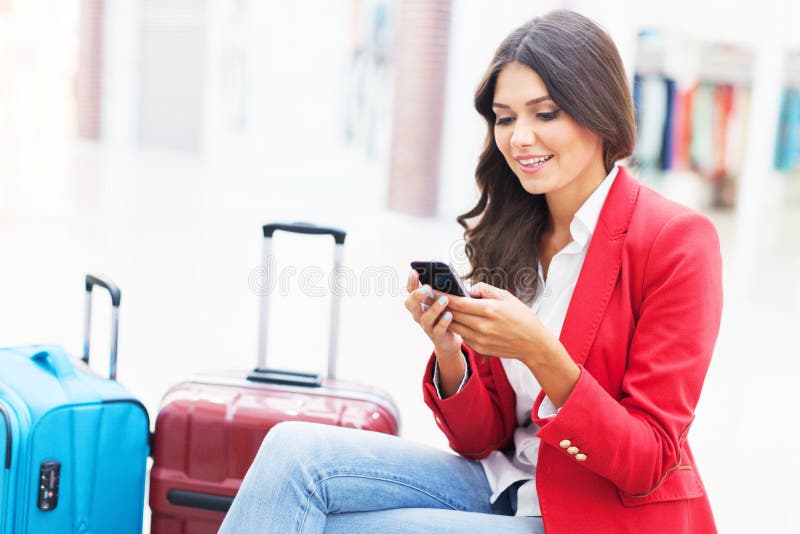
[569, 386]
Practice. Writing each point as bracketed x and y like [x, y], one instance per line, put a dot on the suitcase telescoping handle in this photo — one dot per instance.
[262, 373]
[113, 290]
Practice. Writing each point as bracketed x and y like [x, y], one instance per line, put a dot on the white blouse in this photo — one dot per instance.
[550, 305]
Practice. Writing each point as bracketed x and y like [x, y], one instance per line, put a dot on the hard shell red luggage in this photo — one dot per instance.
[210, 427]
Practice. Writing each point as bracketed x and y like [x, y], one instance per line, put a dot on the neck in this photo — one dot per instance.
[565, 202]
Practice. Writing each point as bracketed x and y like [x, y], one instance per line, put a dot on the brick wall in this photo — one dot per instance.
[421, 46]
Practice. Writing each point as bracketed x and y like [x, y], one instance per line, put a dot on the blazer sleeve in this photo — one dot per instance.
[636, 441]
[481, 417]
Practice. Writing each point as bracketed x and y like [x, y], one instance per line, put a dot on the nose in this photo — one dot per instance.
[523, 134]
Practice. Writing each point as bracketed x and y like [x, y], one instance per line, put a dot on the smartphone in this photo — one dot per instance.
[440, 276]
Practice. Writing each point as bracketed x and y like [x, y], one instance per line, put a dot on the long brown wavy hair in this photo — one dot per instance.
[582, 70]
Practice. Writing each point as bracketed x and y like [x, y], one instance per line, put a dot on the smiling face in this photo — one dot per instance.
[545, 148]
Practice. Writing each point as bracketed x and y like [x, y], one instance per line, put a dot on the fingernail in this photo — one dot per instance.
[442, 300]
[448, 316]
[424, 290]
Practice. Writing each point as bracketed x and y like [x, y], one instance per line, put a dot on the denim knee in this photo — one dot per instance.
[290, 448]
[297, 436]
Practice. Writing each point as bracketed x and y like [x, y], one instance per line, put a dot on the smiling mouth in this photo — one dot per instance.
[533, 164]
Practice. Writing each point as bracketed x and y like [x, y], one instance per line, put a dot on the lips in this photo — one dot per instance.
[533, 163]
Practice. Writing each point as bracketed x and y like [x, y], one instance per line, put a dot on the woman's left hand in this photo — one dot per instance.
[498, 324]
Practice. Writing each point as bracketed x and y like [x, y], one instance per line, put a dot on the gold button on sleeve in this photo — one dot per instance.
[580, 457]
[572, 450]
[565, 443]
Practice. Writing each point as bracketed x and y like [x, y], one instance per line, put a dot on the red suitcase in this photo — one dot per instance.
[210, 427]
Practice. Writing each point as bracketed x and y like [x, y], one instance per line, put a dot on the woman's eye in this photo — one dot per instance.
[503, 121]
[548, 116]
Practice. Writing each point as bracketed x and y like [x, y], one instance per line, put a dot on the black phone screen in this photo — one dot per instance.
[439, 276]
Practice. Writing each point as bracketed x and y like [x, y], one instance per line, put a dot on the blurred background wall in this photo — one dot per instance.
[148, 139]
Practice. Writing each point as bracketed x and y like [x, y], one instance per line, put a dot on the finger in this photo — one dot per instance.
[472, 321]
[413, 307]
[469, 335]
[414, 298]
[441, 327]
[416, 302]
[424, 294]
[430, 317]
[427, 296]
[417, 295]
[472, 306]
[484, 290]
[413, 281]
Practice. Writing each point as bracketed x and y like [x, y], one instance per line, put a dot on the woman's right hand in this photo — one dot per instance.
[435, 320]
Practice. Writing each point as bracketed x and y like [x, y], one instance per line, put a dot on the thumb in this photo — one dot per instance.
[485, 291]
[413, 281]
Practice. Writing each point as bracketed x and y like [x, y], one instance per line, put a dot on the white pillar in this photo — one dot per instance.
[758, 180]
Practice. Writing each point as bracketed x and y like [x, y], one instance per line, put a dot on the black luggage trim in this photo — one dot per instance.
[204, 501]
[7, 419]
[305, 228]
[286, 378]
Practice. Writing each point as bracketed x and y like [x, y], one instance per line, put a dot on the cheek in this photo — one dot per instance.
[571, 139]
[502, 138]
[559, 139]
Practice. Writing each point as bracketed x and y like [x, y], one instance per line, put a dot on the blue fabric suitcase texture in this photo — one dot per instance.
[73, 445]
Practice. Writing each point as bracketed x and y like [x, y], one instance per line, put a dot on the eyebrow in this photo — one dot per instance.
[528, 103]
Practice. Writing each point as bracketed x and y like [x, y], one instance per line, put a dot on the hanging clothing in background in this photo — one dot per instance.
[780, 139]
[723, 107]
[681, 127]
[679, 120]
[737, 131]
[669, 124]
[792, 147]
[701, 150]
[717, 132]
[650, 99]
[711, 123]
[787, 147]
[702, 127]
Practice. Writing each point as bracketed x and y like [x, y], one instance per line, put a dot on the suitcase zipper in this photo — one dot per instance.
[7, 420]
[19, 410]
[7, 481]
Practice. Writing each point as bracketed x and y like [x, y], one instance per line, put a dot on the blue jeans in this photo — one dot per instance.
[320, 478]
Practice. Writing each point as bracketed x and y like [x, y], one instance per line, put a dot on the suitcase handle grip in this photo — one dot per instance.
[58, 364]
[286, 378]
[116, 296]
[305, 228]
[111, 287]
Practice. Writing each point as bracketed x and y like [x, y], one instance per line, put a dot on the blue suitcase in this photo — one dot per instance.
[73, 445]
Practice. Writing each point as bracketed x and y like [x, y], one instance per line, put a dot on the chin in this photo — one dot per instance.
[534, 186]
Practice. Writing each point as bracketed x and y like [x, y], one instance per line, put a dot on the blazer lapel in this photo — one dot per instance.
[600, 269]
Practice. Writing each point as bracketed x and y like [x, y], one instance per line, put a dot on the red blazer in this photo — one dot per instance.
[641, 325]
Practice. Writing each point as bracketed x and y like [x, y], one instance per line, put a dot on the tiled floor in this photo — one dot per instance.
[181, 237]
